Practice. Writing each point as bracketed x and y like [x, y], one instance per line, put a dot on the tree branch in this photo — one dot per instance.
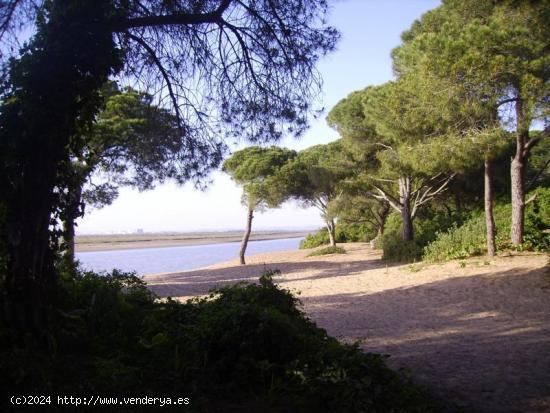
[531, 199]
[173, 19]
[247, 58]
[506, 101]
[7, 16]
[164, 74]
[385, 180]
[395, 204]
[530, 143]
[429, 194]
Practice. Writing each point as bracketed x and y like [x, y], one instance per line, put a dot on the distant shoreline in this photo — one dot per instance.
[91, 243]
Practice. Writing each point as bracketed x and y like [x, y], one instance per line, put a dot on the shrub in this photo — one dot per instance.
[457, 242]
[344, 233]
[316, 239]
[395, 249]
[469, 239]
[425, 230]
[245, 348]
[537, 220]
[353, 232]
[328, 251]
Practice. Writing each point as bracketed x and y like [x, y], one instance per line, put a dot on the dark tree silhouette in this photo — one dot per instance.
[227, 68]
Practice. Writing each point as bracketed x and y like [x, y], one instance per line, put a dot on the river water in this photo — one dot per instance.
[171, 259]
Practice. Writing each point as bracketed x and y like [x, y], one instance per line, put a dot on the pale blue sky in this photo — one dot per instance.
[370, 30]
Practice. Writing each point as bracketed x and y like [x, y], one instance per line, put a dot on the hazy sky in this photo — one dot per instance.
[370, 30]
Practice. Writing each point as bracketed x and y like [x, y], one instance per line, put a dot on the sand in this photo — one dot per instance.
[88, 243]
[475, 332]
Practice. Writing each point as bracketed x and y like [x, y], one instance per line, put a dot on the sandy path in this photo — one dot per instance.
[477, 334]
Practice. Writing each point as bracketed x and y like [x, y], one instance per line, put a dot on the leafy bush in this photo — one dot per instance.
[537, 220]
[395, 249]
[469, 239]
[425, 230]
[458, 242]
[353, 233]
[245, 348]
[327, 251]
[316, 239]
[344, 233]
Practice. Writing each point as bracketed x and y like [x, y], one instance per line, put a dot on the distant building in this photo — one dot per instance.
[139, 231]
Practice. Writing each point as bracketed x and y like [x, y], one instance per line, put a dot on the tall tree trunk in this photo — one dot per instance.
[75, 48]
[331, 227]
[489, 219]
[246, 236]
[68, 231]
[406, 215]
[517, 172]
[74, 210]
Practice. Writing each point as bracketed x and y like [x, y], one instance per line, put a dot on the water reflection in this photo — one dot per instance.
[171, 259]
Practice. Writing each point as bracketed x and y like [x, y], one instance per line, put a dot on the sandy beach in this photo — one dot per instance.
[476, 332]
[89, 243]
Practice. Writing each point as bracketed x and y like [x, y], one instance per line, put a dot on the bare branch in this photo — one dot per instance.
[7, 9]
[383, 145]
[503, 102]
[384, 195]
[385, 180]
[531, 199]
[173, 19]
[164, 73]
[423, 197]
[529, 145]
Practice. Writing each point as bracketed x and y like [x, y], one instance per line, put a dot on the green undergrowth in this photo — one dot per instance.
[344, 233]
[469, 239]
[245, 348]
[426, 228]
[327, 251]
[439, 237]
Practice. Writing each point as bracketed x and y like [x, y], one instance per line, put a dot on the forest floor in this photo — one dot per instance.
[475, 332]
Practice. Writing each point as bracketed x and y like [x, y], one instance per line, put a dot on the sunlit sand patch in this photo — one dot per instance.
[481, 314]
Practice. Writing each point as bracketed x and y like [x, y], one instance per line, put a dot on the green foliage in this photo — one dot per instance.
[468, 239]
[344, 233]
[537, 221]
[255, 169]
[538, 169]
[245, 348]
[462, 241]
[426, 228]
[258, 89]
[353, 232]
[327, 251]
[494, 50]
[395, 249]
[136, 143]
[315, 175]
[539, 211]
[315, 240]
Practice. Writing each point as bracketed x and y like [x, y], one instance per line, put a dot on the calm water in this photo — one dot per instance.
[155, 260]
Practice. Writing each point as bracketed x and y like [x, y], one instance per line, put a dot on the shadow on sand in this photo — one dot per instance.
[480, 341]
